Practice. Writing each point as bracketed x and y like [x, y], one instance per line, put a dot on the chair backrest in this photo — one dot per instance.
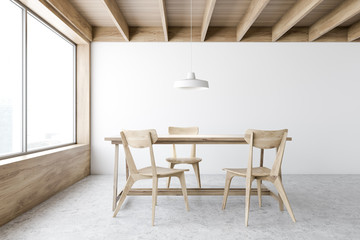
[267, 140]
[184, 131]
[138, 139]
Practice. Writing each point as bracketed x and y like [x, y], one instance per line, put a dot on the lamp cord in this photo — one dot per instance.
[190, 35]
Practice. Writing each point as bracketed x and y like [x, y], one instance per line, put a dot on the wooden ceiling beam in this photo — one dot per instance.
[354, 32]
[297, 12]
[209, 9]
[252, 13]
[342, 13]
[118, 18]
[55, 19]
[164, 21]
[215, 34]
[67, 10]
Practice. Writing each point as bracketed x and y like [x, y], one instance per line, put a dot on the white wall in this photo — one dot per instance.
[310, 88]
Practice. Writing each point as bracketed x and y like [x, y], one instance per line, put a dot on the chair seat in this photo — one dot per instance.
[161, 172]
[256, 172]
[189, 160]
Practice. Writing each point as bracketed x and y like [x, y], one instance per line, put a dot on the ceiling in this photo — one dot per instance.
[219, 20]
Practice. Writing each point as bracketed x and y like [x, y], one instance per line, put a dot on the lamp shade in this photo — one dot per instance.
[191, 82]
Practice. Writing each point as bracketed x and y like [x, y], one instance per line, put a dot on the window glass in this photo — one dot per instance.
[50, 87]
[10, 78]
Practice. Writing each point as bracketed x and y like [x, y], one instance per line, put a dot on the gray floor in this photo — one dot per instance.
[325, 206]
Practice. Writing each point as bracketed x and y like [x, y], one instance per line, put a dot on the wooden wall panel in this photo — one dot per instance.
[26, 181]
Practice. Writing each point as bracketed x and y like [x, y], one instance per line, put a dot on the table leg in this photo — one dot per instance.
[116, 166]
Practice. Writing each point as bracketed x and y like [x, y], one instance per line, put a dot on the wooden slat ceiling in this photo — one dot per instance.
[94, 11]
[273, 12]
[146, 23]
[321, 10]
[178, 12]
[227, 13]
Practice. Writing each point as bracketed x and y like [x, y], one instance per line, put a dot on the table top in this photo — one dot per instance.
[192, 139]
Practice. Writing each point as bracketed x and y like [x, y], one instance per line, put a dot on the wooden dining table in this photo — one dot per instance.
[185, 139]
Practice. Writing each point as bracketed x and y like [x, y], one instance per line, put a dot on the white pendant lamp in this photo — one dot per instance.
[191, 82]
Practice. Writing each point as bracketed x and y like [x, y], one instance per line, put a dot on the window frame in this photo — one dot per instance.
[25, 12]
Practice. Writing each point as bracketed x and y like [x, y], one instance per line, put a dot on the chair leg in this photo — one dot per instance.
[229, 177]
[197, 173]
[130, 181]
[247, 199]
[157, 187]
[281, 203]
[171, 165]
[183, 188]
[280, 188]
[154, 197]
[259, 181]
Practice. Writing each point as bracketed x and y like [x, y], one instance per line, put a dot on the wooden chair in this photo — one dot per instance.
[193, 160]
[263, 140]
[145, 139]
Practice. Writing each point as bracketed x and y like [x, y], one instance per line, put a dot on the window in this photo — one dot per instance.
[10, 78]
[50, 81]
[37, 83]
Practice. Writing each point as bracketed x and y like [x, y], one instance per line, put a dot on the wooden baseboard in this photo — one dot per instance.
[28, 180]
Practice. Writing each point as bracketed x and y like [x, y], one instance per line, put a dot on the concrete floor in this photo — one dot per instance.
[325, 206]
